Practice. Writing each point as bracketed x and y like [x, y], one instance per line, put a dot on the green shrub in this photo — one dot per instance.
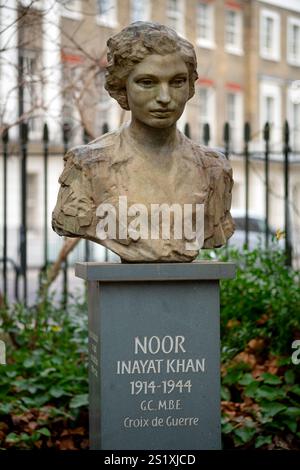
[45, 378]
[262, 411]
[262, 301]
[43, 388]
[260, 318]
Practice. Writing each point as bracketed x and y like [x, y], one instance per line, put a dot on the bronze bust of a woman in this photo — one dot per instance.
[148, 162]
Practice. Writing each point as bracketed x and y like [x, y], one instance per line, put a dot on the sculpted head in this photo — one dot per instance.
[133, 46]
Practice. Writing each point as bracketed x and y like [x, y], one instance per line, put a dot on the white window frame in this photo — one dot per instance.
[38, 4]
[72, 11]
[292, 5]
[33, 90]
[275, 53]
[236, 125]
[294, 134]
[210, 117]
[209, 41]
[107, 109]
[236, 48]
[108, 19]
[32, 179]
[273, 90]
[146, 4]
[291, 59]
[178, 16]
[104, 98]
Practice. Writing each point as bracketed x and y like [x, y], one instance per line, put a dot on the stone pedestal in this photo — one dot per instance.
[154, 354]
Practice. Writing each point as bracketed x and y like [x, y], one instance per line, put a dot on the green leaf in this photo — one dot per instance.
[227, 428]
[270, 409]
[262, 440]
[245, 434]
[270, 393]
[56, 360]
[289, 377]
[251, 389]
[29, 362]
[12, 438]
[11, 373]
[44, 432]
[291, 424]
[25, 437]
[292, 411]
[35, 436]
[41, 400]
[57, 392]
[79, 400]
[47, 371]
[271, 379]
[30, 402]
[232, 376]
[295, 389]
[5, 408]
[247, 379]
[225, 393]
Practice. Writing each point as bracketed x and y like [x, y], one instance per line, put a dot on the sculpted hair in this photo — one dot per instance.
[140, 39]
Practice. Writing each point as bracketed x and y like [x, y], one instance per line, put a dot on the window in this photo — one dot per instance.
[104, 106]
[293, 114]
[237, 203]
[234, 116]
[231, 108]
[31, 202]
[175, 15]
[233, 32]
[107, 13]
[270, 35]
[270, 111]
[71, 9]
[205, 25]
[293, 41]
[32, 90]
[104, 97]
[295, 127]
[269, 108]
[207, 112]
[295, 197]
[72, 84]
[140, 10]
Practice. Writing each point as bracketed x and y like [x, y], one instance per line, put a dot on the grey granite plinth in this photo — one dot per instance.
[154, 351]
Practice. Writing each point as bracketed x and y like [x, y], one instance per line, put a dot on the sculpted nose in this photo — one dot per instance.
[163, 95]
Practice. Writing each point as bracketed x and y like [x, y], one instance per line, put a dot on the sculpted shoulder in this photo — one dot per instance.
[211, 158]
[205, 157]
[100, 149]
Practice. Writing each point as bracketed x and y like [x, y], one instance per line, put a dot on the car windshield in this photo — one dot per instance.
[254, 225]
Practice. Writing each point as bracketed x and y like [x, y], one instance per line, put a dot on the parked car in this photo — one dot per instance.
[256, 231]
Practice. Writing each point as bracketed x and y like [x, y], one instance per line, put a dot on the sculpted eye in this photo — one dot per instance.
[178, 82]
[146, 82]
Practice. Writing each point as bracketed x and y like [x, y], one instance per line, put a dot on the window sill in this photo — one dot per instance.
[72, 15]
[205, 44]
[234, 50]
[35, 136]
[272, 58]
[293, 62]
[107, 23]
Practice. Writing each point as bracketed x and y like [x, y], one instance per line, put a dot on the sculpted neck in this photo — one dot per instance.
[151, 138]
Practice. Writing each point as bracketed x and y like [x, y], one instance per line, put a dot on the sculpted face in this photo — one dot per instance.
[158, 89]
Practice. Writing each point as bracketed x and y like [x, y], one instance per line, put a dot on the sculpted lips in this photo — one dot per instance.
[161, 112]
